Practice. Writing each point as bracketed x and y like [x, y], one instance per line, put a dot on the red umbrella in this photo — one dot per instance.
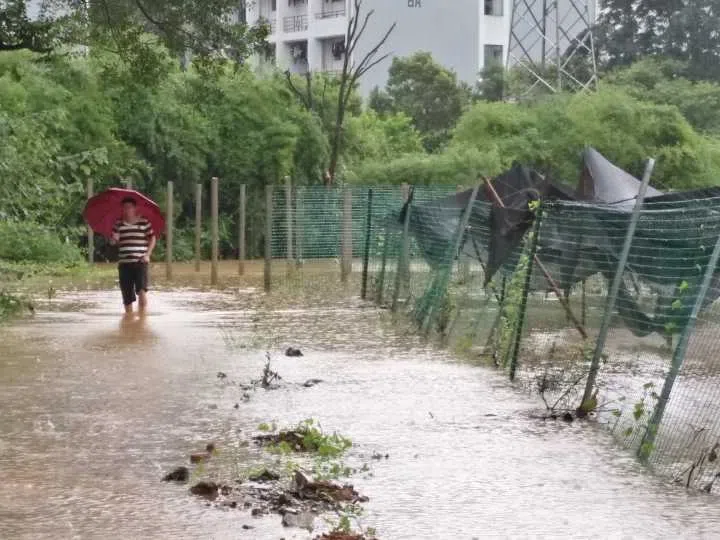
[104, 209]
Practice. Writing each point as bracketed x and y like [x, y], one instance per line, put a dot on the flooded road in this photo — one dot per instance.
[96, 410]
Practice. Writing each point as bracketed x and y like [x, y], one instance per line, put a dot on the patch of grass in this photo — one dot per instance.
[307, 436]
[11, 305]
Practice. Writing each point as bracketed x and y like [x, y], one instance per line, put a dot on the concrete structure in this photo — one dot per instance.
[462, 35]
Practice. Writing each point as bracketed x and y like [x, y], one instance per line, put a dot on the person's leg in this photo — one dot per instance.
[141, 284]
[127, 287]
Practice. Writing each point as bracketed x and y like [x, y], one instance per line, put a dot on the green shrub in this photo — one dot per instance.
[30, 242]
[459, 167]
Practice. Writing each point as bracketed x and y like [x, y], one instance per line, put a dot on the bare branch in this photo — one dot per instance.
[356, 37]
[363, 65]
[360, 72]
[351, 73]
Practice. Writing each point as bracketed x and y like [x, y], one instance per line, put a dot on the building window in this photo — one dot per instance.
[273, 5]
[494, 8]
[493, 55]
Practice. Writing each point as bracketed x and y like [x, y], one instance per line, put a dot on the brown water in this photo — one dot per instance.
[94, 412]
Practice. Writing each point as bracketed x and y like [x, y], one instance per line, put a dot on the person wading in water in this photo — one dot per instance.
[135, 238]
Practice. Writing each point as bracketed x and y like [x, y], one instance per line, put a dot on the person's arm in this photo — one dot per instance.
[152, 241]
[151, 247]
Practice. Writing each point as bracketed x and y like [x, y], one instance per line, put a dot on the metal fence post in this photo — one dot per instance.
[520, 322]
[289, 237]
[403, 262]
[444, 278]
[615, 287]
[648, 440]
[347, 247]
[380, 292]
[299, 224]
[366, 253]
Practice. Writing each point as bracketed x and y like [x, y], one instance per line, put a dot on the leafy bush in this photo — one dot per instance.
[30, 242]
[550, 135]
[460, 167]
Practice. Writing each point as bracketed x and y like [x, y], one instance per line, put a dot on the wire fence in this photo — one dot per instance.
[640, 362]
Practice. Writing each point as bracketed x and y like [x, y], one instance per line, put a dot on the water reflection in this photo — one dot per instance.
[135, 329]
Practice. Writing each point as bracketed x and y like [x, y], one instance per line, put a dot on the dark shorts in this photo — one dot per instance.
[133, 279]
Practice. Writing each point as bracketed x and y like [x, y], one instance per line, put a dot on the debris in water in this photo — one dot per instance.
[339, 535]
[201, 457]
[268, 377]
[293, 353]
[568, 417]
[264, 476]
[248, 527]
[312, 382]
[181, 474]
[209, 490]
[236, 406]
[294, 439]
[323, 490]
[379, 456]
[221, 375]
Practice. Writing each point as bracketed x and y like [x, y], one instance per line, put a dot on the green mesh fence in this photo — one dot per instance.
[431, 270]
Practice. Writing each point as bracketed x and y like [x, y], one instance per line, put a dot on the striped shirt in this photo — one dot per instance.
[134, 239]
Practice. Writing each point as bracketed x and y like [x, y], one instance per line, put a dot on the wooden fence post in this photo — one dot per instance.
[241, 230]
[90, 233]
[198, 224]
[169, 231]
[215, 230]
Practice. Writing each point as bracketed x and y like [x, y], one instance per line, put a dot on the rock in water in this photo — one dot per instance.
[292, 352]
[181, 474]
[208, 490]
[301, 520]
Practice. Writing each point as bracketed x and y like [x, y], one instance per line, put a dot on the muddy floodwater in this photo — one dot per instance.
[96, 410]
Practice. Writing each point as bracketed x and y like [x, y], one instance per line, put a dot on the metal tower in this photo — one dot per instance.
[551, 45]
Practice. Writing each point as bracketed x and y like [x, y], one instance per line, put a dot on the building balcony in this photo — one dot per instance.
[334, 14]
[295, 23]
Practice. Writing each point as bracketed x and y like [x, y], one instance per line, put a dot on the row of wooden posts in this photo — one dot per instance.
[346, 237]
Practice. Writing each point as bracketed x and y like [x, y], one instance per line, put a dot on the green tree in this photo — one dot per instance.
[212, 31]
[426, 92]
[491, 86]
[550, 135]
[372, 137]
[679, 29]
[664, 81]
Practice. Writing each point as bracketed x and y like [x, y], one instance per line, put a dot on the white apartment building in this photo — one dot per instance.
[462, 35]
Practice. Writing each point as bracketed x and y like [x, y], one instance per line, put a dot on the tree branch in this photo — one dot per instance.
[294, 89]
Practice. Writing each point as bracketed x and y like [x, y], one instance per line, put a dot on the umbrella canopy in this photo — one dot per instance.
[104, 209]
